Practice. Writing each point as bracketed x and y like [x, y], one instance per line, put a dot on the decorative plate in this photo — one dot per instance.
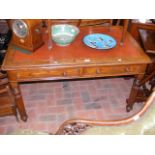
[99, 41]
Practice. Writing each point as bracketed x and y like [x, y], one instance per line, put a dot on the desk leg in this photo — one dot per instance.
[19, 100]
[134, 92]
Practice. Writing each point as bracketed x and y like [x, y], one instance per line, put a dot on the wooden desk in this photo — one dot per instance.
[76, 61]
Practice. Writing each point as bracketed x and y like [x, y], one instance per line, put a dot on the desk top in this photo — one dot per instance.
[78, 54]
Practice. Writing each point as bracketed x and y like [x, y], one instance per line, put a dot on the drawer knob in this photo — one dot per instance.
[64, 74]
[98, 71]
[127, 69]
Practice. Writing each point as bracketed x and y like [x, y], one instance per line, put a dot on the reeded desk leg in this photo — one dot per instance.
[19, 100]
[134, 92]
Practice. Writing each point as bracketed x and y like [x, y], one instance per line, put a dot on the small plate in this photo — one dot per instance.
[99, 41]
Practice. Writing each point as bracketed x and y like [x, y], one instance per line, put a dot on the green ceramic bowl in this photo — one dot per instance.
[64, 34]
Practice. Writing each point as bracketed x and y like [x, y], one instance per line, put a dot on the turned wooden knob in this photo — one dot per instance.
[98, 71]
[64, 73]
[127, 69]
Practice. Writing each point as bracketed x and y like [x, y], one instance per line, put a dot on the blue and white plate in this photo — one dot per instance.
[99, 41]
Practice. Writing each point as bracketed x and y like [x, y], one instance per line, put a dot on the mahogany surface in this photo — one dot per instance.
[76, 61]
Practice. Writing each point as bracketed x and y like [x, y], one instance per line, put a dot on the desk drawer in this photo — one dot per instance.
[111, 70]
[38, 74]
[66, 72]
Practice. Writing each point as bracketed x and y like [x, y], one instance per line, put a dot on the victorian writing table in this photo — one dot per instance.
[76, 61]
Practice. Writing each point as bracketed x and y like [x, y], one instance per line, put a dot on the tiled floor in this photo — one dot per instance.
[49, 104]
